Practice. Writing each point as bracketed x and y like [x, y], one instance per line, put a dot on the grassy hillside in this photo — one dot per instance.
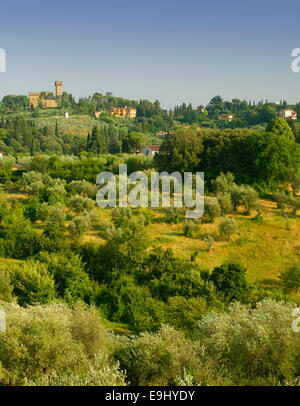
[78, 124]
[265, 249]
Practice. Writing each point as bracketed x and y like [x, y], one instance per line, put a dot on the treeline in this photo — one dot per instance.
[23, 136]
[245, 113]
[86, 167]
[151, 117]
[264, 159]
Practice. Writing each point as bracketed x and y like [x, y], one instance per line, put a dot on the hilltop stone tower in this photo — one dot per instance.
[58, 88]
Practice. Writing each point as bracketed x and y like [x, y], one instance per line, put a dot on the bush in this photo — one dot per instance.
[244, 196]
[236, 196]
[175, 215]
[291, 278]
[212, 210]
[157, 359]
[53, 238]
[31, 208]
[281, 199]
[185, 314]
[248, 198]
[71, 281]
[43, 212]
[17, 238]
[225, 203]
[121, 217]
[6, 287]
[294, 204]
[229, 280]
[209, 240]
[167, 276]
[227, 227]
[57, 214]
[256, 346]
[56, 345]
[100, 372]
[31, 283]
[223, 183]
[190, 228]
[83, 188]
[79, 225]
[80, 204]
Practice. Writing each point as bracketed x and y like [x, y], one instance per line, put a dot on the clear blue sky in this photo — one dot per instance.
[172, 50]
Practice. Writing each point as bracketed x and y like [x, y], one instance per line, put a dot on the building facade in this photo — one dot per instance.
[58, 88]
[47, 102]
[227, 117]
[288, 113]
[123, 112]
[150, 150]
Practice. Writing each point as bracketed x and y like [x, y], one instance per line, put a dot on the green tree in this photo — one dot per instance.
[291, 278]
[31, 283]
[70, 280]
[279, 126]
[212, 209]
[180, 152]
[229, 279]
[6, 287]
[227, 227]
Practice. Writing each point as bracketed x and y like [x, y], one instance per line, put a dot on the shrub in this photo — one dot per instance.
[190, 228]
[17, 238]
[223, 183]
[53, 238]
[281, 199]
[258, 219]
[248, 197]
[79, 225]
[100, 372]
[71, 281]
[6, 287]
[291, 278]
[157, 359]
[167, 276]
[229, 280]
[294, 204]
[227, 227]
[212, 210]
[57, 214]
[236, 196]
[43, 212]
[80, 204]
[225, 203]
[244, 196]
[56, 345]
[121, 216]
[31, 208]
[175, 215]
[185, 314]
[209, 240]
[147, 214]
[83, 188]
[31, 283]
[256, 346]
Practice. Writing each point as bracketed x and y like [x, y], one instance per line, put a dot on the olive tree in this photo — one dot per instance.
[227, 227]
